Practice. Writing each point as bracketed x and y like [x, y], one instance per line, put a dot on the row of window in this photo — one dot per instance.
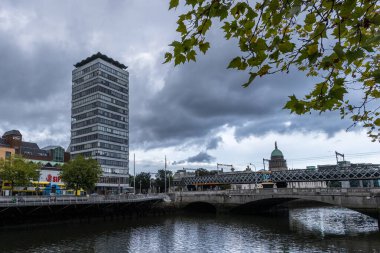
[114, 180]
[102, 74]
[112, 115]
[86, 77]
[99, 112]
[112, 146]
[98, 104]
[100, 89]
[112, 163]
[88, 84]
[112, 78]
[84, 146]
[101, 97]
[99, 128]
[100, 137]
[77, 73]
[113, 71]
[103, 145]
[98, 120]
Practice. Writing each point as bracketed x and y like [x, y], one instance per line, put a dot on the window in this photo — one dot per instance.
[8, 154]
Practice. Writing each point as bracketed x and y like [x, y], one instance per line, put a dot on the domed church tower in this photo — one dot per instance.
[277, 161]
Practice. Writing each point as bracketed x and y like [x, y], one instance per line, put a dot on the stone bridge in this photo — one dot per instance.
[364, 200]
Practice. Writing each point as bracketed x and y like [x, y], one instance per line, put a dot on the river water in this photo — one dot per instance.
[313, 229]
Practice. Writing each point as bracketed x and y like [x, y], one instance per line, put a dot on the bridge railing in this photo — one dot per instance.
[351, 191]
[62, 200]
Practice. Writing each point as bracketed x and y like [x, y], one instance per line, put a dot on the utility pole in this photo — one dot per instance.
[165, 173]
[134, 174]
[338, 154]
[265, 160]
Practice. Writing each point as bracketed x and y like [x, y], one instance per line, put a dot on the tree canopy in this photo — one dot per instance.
[81, 173]
[18, 171]
[337, 41]
[143, 180]
[160, 180]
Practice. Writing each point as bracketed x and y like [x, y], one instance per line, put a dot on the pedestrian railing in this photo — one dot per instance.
[10, 201]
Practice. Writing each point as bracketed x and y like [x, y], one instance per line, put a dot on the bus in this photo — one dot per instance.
[44, 188]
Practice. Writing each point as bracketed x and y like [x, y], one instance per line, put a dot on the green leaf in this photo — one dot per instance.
[310, 18]
[286, 47]
[191, 2]
[375, 19]
[294, 105]
[377, 122]
[312, 49]
[264, 70]
[252, 77]
[260, 44]
[173, 4]
[168, 57]
[181, 28]
[204, 46]
[276, 19]
[180, 58]
[354, 55]
[338, 49]
[191, 55]
[235, 63]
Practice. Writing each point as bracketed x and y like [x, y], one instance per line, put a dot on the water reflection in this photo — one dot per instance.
[331, 221]
[305, 230]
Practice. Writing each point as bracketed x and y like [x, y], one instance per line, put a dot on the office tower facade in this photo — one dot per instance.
[100, 118]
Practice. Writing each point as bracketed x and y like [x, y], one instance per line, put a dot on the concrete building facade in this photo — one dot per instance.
[100, 118]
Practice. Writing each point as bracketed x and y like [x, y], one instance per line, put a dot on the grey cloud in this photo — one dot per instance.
[201, 157]
[214, 143]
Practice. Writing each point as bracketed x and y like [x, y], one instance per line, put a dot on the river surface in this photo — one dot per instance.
[322, 229]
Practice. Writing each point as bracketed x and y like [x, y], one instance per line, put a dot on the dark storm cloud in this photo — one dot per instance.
[199, 98]
[214, 143]
[40, 42]
[201, 157]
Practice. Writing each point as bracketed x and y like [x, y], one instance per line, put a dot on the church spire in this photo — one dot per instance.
[275, 145]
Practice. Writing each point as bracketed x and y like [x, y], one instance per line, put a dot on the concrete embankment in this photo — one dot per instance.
[21, 214]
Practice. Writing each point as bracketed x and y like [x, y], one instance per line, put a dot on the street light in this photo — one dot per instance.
[255, 174]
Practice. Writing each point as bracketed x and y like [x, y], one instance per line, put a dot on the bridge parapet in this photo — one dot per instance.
[365, 200]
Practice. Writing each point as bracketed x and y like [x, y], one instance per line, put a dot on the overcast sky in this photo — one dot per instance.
[196, 114]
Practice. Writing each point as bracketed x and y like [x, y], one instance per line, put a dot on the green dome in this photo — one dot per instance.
[276, 152]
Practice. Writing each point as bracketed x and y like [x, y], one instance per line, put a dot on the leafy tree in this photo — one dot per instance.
[160, 180]
[131, 181]
[335, 40]
[203, 172]
[81, 173]
[18, 171]
[143, 179]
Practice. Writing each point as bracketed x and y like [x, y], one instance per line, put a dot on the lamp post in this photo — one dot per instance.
[165, 174]
[134, 174]
[255, 174]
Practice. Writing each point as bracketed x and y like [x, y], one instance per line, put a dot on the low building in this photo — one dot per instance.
[6, 150]
[12, 140]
